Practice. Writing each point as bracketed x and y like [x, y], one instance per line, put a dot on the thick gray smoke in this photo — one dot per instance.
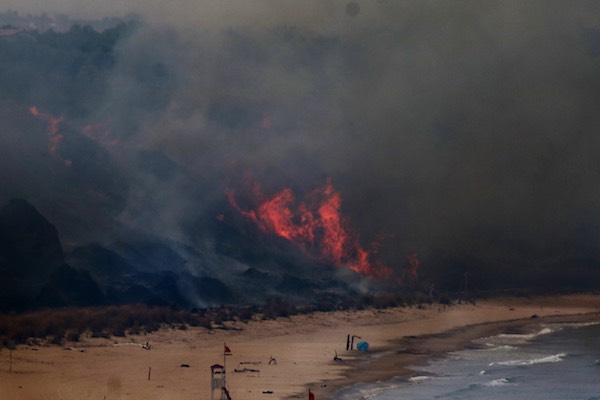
[460, 121]
[460, 127]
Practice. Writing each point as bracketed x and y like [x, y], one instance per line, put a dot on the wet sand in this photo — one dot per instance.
[178, 364]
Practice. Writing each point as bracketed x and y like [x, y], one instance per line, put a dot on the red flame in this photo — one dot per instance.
[54, 135]
[316, 225]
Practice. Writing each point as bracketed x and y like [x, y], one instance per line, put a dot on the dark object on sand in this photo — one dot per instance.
[336, 358]
[246, 370]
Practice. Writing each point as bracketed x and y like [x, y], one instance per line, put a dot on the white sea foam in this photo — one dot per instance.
[419, 378]
[495, 347]
[527, 336]
[368, 391]
[498, 382]
[574, 325]
[549, 359]
[508, 339]
[545, 331]
[362, 392]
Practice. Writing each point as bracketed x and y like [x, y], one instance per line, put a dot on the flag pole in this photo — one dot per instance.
[226, 352]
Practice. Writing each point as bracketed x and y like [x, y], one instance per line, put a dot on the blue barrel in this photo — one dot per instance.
[362, 346]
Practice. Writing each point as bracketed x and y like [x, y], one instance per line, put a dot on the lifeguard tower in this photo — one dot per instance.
[218, 382]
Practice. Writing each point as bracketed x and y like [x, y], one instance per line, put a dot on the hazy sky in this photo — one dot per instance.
[205, 12]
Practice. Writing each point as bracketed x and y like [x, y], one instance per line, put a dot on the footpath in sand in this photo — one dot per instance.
[178, 364]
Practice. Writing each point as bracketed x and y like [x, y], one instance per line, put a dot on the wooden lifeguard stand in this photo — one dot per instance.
[217, 381]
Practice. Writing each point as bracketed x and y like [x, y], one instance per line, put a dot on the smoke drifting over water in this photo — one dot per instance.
[457, 128]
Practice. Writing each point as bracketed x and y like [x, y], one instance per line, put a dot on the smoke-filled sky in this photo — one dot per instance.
[213, 13]
[467, 125]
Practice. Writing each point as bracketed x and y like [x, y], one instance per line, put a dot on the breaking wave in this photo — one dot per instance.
[419, 378]
[499, 382]
[549, 359]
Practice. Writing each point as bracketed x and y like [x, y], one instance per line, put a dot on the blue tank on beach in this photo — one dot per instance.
[362, 346]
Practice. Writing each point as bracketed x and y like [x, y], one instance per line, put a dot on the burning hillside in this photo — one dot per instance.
[463, 138]
[314, 224]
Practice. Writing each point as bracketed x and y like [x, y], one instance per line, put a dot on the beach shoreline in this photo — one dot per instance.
[177, 366]
[402, 358]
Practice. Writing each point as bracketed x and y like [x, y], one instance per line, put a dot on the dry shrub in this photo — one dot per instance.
[56, 325]
[73, 336]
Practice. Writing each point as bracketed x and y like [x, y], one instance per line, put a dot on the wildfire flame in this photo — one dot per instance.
[54, 135]
[316, 225]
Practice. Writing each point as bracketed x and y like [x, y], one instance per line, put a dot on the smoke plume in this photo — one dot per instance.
[454, 128]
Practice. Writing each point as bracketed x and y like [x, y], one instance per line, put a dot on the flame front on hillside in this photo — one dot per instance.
[315, 224]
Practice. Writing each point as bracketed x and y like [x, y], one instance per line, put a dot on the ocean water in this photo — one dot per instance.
[553, 362]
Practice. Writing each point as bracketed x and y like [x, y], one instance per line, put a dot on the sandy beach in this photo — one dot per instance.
[177, 366]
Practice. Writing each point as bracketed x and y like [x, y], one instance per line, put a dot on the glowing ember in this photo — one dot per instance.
[54, 136]
[316, 225]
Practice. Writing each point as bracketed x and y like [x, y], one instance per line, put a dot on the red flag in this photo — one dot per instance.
[227, 351]
[311, 395]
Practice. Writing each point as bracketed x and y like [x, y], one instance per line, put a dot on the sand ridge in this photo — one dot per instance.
[304, 346]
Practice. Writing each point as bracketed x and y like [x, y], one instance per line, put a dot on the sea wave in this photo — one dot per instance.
[511, 339]
[368, 391]
[527, 336]
[419, 378]
[574, 325]
[495, 347]
[548, 359]
[499, 382]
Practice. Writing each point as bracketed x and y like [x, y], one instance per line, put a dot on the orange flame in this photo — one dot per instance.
[316, 225]
[54, 135]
